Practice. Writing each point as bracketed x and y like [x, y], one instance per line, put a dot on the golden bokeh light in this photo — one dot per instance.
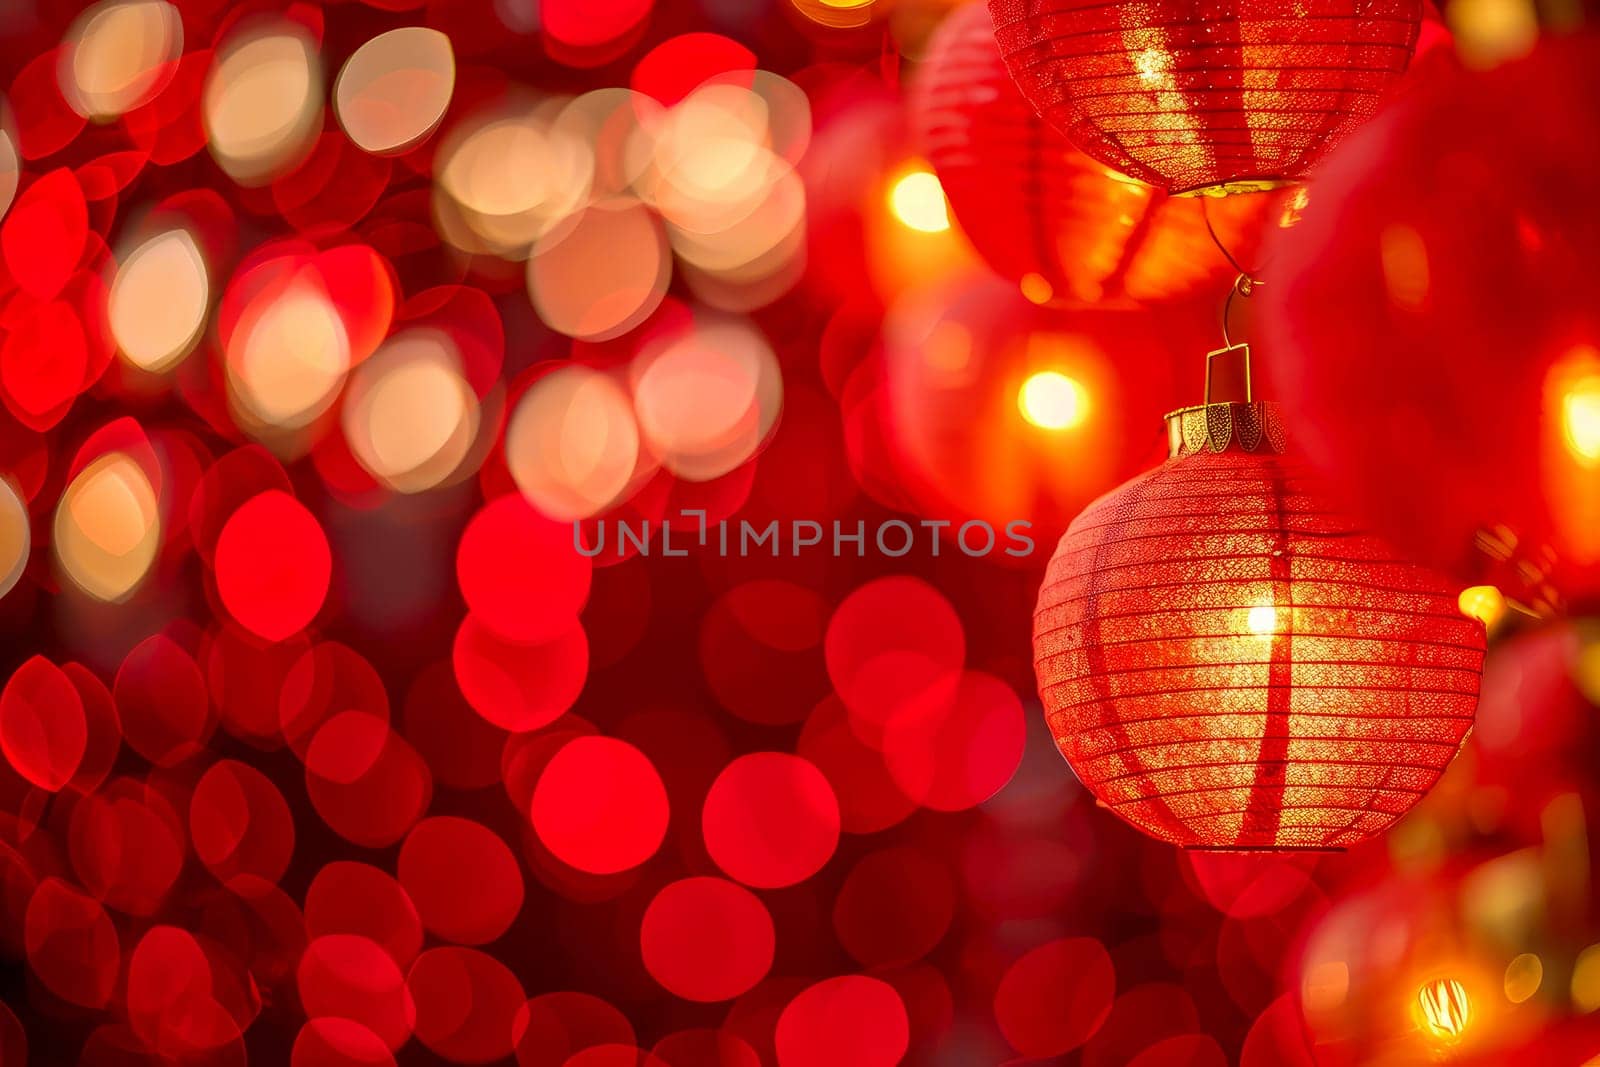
[409, 415]
[1482, 602]
[1586, 980]
[157, 306]
[1580, 419]
[603, 274]
[1490, 32]
[712, 165]
[118, 54]
[837, 14]
[1524, 975]
[509, 176]
[1262, 620]
[107, 529]
[287, 358]
[706, 400]
[1051, 400]
[1036, 288]
[394, 90]
[1446, 1010]
[617, 126]
[917, 199]
[572, 444]
[10, 163]
[262, 101]
[16, 536]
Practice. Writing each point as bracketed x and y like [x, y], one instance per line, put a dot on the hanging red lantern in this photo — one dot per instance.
[1002, 410]
[1229, 664]
[1040, 212]
[1441, 282]
[1216, 97]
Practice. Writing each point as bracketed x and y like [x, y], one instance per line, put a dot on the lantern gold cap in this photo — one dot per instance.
[1231, 417]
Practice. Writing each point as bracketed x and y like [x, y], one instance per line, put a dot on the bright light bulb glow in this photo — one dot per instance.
[917, 200]
[1262, 620]
[1445, 1007]
[1580, 419]
[1482, 602]
[1052, 401]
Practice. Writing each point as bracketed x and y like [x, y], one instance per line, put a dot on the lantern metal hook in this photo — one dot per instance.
[1243, 286]
[1245, 282]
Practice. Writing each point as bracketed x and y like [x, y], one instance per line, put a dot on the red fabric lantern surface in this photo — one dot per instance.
[956, 364]
[1440, 287]
[1193, 96]
[1229, 664]
[1042, 213]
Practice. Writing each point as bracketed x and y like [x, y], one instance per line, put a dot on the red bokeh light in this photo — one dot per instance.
[1055, 997]
[852, 1021]
[463, 879]
[706, 939]
[520, 573]
[43, 728]
[770, 820]
[273, 565]
[600, 806]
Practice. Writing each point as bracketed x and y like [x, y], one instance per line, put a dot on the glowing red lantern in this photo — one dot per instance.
[1002, 410]
[1214, 97]
[1441, 281]
[1228, 664]
[1042, 213]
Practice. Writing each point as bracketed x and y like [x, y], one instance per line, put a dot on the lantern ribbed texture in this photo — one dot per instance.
[1032, 204]
[1190, 95]
[1227, 663]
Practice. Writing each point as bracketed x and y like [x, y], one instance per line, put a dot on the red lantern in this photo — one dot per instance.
[1042, 213]
[1213, 97]
[1441, 282]
[1228, 664]
[1001, 410]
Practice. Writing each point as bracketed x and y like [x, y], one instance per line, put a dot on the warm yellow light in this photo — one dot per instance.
[1445, 1007]
[289, 357]
[158, 301]
[16, 537]
[1580, 419]
[1153, 65]
[1586, 980]
[1052, 401]
[118, 55]
[1262, 620]
[409, 415]
[572, 444]
[1482, 602]
[917, 200]
[1037, 288]
[107, 528]
[394, 90]
[262, 102]
[1524, 974]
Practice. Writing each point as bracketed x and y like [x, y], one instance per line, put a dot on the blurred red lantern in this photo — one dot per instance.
[1211, 97]
[1228, 664]
[1042, 213]
[1001, 410]
[1441, 284]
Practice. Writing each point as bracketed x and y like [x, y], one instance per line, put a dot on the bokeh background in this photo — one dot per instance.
[321, 325]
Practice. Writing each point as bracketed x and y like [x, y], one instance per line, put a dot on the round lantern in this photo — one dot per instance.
[1002, 410]
[1040, 212]
[1441, 282]
[1213, 97]
[1229, 664]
